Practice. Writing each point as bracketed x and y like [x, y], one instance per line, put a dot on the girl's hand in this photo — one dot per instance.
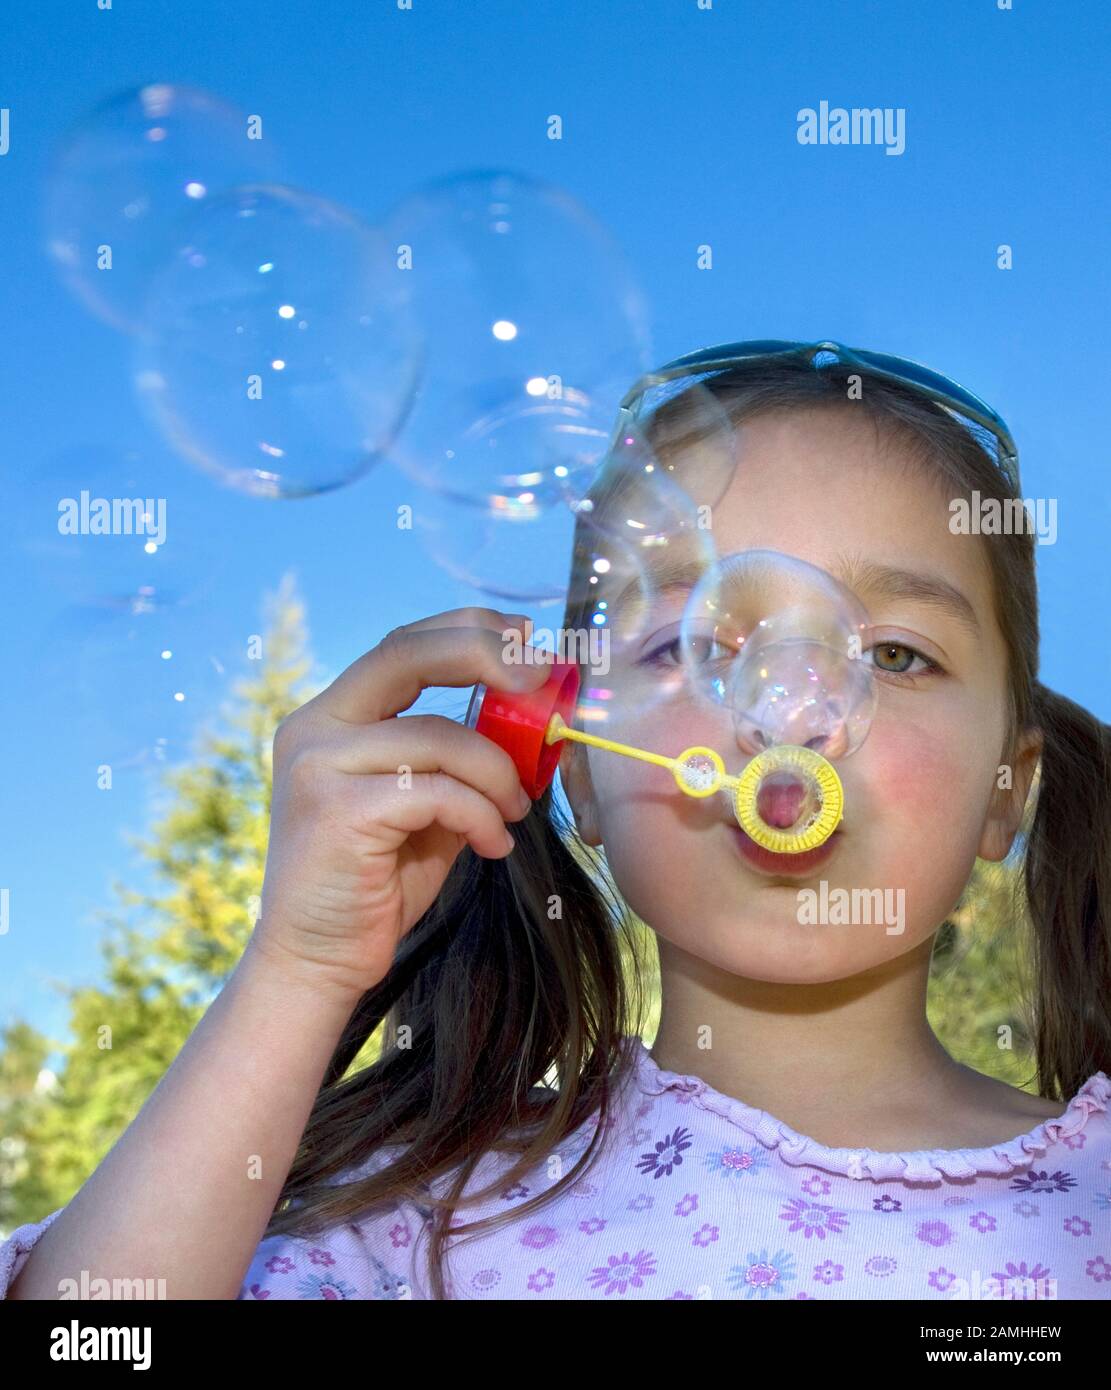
[369, 811]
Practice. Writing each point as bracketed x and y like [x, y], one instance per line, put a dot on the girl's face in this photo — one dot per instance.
[921, 794]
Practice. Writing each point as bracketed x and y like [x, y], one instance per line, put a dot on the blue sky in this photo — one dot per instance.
[679, 129]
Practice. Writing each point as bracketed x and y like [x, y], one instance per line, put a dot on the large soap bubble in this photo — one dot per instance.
[520, 294]
[279, 353]
[125, 176]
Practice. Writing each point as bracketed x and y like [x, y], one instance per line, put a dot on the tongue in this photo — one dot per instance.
[778, 801]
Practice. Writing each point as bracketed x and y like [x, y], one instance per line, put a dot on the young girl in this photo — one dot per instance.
[796, 1130]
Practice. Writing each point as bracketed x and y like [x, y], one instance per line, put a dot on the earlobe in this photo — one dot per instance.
[574, 773]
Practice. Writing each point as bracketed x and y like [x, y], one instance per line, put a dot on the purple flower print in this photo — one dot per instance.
[678, 1294]
[668, 1154]
[813, 1218]
[735, 1162]
[592, 1225]
[1103, 1200]
[541, 1280]
[880, 1266]
[322, 1257]
[1025, 1209]
[982, 1222]
[1099, 1270]
[1075, 1141]
[641, 1202]
[829, 1273]
[1077, 1226]
[400, 1235]
[537, 1237]
[942, 1279]
[934, 1233]
[622, 1271]
[764, 1274]
[279, 1264]
[483, 1280]
[1022, 1283]
[1044, 1181]
[814, 1186]
[705, 1235]
[886, 1203]
[514, 1191]
[687, 1204]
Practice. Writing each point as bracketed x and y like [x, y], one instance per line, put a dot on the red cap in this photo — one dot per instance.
[517, 721]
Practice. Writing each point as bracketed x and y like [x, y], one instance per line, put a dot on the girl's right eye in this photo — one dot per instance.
[700, 650]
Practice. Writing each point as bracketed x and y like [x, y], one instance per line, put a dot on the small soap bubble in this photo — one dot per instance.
[699, 772]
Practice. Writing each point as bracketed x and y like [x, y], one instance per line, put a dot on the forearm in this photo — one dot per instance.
[186, 1193]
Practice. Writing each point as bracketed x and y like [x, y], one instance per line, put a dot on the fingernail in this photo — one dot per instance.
[510, 842]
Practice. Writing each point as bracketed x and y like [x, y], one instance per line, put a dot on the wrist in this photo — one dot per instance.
[265, 960]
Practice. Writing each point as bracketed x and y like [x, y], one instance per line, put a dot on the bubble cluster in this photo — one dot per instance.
[778, 642]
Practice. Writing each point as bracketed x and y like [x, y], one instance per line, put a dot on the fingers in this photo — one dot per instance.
[437, 799]
[458, 648]
[428, 743]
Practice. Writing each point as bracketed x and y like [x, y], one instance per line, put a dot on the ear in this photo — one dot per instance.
[1005, 813]
[574, 773]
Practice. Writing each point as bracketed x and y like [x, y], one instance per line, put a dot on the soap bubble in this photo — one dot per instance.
[663, 475]
[516, 551]
[625, 587]
[528, 458]
[519, 292]
[778, 642]
[279, 355]
[126, 175]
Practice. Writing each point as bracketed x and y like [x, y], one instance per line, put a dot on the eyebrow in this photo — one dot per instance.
[910, 586]
[673, 571]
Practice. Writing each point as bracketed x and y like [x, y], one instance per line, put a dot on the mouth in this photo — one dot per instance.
[767, 861]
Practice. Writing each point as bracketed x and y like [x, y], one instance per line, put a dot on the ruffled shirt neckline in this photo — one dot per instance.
[920, 1165]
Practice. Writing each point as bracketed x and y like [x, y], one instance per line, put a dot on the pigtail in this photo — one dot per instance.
[1068, 888]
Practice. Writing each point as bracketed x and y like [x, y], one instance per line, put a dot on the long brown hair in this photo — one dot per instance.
[498, 997]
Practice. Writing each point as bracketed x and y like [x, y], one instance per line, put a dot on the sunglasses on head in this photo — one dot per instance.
[653, 389]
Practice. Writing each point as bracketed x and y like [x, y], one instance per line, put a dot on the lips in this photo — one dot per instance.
[790, 865]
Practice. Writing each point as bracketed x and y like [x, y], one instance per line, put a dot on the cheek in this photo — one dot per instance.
[930, 779]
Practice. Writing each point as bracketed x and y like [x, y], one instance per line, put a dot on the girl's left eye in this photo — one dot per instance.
[886, 648]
